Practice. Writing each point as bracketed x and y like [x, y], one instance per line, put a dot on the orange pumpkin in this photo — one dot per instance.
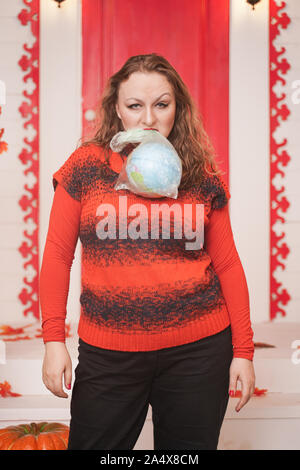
[35, 436]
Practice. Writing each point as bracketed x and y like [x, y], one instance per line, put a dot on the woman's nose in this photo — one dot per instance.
[149, 117]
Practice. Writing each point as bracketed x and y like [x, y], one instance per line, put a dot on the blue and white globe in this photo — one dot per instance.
[154, 170]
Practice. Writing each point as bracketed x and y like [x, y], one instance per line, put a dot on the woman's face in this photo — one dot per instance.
[147, 100]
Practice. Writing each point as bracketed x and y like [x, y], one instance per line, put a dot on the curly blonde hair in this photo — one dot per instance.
[187, 136]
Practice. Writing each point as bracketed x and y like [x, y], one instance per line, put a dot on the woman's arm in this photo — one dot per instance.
[56, 265]
[219, 243]
[225, 259]
[54, 287]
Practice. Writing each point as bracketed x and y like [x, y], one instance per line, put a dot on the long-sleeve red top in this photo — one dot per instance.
[140, 294]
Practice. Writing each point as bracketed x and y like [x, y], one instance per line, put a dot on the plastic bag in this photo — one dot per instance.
[153, 169]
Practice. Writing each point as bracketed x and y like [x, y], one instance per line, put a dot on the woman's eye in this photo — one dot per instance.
[160, 105]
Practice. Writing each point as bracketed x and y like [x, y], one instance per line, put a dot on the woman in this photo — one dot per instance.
[159, 324]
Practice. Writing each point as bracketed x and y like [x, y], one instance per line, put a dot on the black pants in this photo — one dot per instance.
[187, 387]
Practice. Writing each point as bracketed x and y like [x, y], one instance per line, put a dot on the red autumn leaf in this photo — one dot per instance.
[3, 147]
[258, 392]
[18, 334]
[5, 390]
[8, 330]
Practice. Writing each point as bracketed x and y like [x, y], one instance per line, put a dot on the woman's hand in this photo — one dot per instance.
[57, 363]
[242, 370]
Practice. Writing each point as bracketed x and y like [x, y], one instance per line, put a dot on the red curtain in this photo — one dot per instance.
[193, 35]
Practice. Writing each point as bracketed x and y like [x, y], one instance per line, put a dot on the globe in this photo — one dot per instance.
[153, 168]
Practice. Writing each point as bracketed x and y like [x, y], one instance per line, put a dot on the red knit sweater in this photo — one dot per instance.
[140, 294]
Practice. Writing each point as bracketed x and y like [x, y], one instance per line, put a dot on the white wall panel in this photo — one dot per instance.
[249, 147]
[60, 112]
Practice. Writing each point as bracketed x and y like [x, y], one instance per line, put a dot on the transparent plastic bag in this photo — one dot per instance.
[153, 169]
